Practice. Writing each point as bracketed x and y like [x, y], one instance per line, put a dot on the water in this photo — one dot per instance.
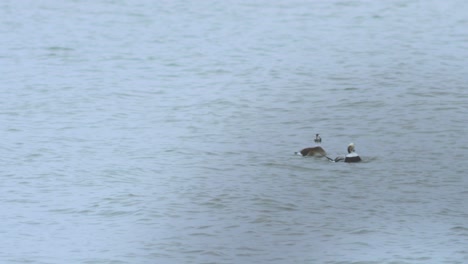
[163, 131]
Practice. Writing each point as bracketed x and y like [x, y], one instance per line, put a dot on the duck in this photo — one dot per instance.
[317, 139]
[313, 151]
[352, 156]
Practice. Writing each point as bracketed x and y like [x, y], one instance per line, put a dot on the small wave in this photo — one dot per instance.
[58, 48]
[460, 230]
[202, 234]
[361, 231]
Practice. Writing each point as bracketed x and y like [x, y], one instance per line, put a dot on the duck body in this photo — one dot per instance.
[313, 151]
[352, 156]
[317, 139]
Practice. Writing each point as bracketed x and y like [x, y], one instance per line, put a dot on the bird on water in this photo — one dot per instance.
[313, 151]
[317, 150]
[318, 139]
[352, 156]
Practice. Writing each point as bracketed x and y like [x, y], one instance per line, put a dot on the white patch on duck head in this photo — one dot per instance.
[351, 147]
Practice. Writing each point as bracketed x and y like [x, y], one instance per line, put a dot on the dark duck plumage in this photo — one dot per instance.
[351, 156]
[313, 151]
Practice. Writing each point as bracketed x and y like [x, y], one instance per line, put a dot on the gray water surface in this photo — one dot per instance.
[164, 131]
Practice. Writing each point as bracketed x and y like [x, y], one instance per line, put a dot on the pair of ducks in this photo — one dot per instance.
[319, 151]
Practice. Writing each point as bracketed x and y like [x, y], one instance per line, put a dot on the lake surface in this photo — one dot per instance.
[164, 131]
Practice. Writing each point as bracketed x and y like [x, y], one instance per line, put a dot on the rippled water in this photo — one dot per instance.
[164, 131]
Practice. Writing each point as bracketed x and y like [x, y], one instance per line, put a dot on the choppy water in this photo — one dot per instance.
[163, 131]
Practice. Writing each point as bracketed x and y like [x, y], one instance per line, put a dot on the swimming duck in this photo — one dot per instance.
[313, 151]
[318, 139]
[351, 156]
